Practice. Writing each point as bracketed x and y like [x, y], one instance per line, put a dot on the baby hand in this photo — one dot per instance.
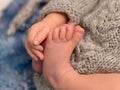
[34, 43]
[39, 31]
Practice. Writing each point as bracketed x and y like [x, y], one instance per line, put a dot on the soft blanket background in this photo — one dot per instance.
[15, 65]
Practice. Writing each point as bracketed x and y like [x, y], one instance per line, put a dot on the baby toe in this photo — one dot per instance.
[78, 34]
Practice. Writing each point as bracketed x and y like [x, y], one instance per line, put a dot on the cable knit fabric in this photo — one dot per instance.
[75, 9]
[99, 50]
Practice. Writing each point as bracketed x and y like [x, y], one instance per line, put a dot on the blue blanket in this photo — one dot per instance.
[15, 64]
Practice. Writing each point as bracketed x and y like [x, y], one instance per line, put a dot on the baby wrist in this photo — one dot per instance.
[55, 19]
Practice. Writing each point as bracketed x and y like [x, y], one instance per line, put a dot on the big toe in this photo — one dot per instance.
[77, 35]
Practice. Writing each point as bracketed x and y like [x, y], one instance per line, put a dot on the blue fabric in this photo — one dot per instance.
[15, 64]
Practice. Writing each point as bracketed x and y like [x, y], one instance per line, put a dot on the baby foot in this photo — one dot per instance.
[59, 46]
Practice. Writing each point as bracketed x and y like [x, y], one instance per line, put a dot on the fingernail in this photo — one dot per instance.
[36, 59]
[35, 43]
[42, 57]
[41, 50]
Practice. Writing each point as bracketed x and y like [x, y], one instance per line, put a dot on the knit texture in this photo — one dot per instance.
[99, 50]
[75, 9]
